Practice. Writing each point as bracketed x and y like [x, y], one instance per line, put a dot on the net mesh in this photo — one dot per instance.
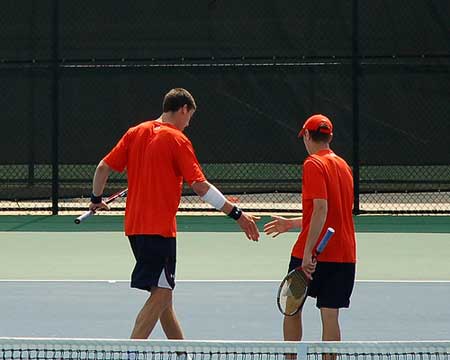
[29, 348]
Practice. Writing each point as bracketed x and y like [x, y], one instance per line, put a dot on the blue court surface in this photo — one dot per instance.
[229, 310]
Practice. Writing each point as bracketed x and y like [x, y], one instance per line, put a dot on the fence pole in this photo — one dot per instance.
[32, 113]
[355, 102]
[55, 107]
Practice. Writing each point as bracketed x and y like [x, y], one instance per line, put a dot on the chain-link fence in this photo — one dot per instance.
[76, 74]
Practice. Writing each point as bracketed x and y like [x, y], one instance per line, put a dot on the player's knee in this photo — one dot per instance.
[329, 315]
[162, 297]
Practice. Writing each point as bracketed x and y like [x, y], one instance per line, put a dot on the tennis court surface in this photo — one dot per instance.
[70, 281]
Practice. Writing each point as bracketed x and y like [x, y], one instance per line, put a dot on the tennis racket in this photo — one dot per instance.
[113, 197]
[294, 287]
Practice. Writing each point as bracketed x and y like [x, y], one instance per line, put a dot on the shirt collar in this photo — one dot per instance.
[324, 152]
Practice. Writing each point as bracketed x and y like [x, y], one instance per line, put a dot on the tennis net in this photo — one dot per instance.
[108, 349]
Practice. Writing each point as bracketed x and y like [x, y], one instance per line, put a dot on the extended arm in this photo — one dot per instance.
[210, 194]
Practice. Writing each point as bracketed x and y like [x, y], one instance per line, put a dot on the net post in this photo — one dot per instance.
[302, 351]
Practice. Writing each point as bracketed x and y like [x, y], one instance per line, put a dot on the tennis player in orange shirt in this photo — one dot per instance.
[158, 157]
[327, 201]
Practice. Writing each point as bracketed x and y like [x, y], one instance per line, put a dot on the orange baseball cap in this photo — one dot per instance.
[317, 122]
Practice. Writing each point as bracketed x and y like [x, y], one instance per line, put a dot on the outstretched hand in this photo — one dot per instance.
[247, 223]
[277, 226]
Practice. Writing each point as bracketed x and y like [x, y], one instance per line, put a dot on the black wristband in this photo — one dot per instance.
[96, 199]
[235, 213]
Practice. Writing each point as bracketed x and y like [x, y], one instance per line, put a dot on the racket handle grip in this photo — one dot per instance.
[80, 218]
[330, 232]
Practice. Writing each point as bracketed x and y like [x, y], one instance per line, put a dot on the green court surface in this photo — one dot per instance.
[212, 248]
[217, 223]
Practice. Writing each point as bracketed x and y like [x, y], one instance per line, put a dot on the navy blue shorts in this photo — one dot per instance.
[332, 283]
[155, 261]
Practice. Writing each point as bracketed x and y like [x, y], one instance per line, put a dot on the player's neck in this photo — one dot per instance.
[316, 147]
[168, 119]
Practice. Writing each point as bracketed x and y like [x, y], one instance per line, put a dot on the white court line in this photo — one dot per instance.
[216, 281]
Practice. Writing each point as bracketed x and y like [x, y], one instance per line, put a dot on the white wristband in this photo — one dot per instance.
[214, 197]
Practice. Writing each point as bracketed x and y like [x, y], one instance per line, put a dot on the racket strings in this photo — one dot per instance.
[298, 284]
[293, 293]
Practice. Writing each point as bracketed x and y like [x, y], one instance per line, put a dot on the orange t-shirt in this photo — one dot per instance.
[327, 176]
[157, 157]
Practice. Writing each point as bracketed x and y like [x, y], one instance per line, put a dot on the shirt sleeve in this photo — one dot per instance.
[118, 157]
[314, 185]
[187, 163]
